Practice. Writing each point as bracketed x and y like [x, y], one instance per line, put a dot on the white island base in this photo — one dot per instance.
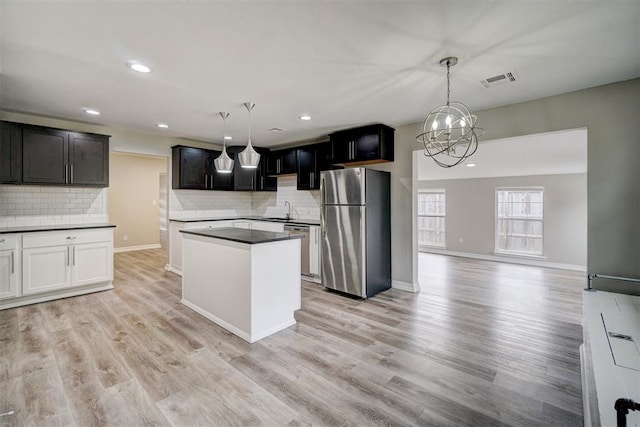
[250, 289]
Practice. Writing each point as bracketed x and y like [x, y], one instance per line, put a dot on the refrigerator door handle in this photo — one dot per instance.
[323, 190]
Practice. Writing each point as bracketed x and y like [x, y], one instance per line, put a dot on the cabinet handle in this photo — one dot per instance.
[206, 177]
[68, 254]
[13, 263]
[74, 255]
[311, 179]
[70, 174]
[66, 174]
[211, 181]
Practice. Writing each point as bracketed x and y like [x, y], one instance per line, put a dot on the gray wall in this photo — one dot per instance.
[470, 210]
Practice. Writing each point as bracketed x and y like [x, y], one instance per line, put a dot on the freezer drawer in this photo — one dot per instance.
[343, 249]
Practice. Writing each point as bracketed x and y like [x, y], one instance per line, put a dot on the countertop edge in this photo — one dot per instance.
[43, 228]
[195, 232]
[246, 218]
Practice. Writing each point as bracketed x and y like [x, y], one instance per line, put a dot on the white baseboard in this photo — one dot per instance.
[508, 259]
[405, 286]
[137, 248]
[173, 270]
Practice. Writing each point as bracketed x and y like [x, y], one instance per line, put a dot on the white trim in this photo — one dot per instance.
[510, 259]
[235, 330]
[137, 248]
[53, 295]
[405, 286]
[173, 270]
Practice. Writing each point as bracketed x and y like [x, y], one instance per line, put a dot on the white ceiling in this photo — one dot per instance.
[550, 153]
[345, 63]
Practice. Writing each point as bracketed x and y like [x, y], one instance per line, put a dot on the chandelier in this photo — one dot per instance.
[449, 133]
[249, 157]
[224, 163]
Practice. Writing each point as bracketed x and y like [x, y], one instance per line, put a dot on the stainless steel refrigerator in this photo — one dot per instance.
[356, 231]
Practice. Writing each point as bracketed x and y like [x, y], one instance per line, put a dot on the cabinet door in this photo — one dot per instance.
[45, 156]
[8, 283]
[289, 163]
[314, 250]
[244, 179]
[10, 153]
[342, 143]
[306, 167]
[88, 159]
[91, 263]
[190, 167]
[366, 145]
[45, 269]
[273, 163]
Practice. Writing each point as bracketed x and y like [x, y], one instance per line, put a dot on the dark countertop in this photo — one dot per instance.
[251, 218]
[242, 235]
[37, 228]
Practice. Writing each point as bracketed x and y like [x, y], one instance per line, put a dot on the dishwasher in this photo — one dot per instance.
[304, 245]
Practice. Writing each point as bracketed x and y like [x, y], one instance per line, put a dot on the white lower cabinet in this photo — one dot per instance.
[45, 269]
[91, 263]
[8, 268]
[57, 260]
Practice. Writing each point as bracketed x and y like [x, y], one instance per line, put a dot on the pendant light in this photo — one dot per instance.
[249, 158]
[449, 133]
[224, 163]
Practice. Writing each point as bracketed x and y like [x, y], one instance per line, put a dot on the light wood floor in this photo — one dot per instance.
[482, 344]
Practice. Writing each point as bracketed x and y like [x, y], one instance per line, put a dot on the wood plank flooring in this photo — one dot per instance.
[483, 344]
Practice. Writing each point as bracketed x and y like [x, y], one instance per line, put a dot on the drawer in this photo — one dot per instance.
[67, 237]
[207, 224]
[8, 242]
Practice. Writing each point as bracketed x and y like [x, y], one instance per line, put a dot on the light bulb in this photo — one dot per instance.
[434, 126]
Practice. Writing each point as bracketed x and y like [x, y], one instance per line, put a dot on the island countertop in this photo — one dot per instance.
[243, 235]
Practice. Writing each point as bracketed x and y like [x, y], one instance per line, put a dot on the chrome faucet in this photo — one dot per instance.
[286, 203]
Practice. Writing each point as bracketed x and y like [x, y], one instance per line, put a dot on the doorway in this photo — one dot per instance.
[470, 210]
[138, 200]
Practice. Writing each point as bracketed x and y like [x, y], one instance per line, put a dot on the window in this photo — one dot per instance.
[519, 220]
[431, 218]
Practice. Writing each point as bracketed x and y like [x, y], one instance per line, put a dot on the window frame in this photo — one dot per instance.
[443, 216]
[497, 249]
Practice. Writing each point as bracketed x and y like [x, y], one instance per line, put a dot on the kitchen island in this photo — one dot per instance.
[246, 281]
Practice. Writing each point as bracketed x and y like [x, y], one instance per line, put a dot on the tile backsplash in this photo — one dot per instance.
[305, 204]
[43, 205]
[25, 205]
[209, 204]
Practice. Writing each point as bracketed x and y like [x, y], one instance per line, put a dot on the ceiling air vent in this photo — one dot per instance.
[500, 79]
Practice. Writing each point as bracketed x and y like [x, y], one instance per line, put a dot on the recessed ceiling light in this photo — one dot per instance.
[228, 137]
[305, 117]
[92, 111]
[470, 165]
[137, 66]
[163, 125]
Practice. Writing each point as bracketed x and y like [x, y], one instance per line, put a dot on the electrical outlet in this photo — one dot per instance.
[125, 237]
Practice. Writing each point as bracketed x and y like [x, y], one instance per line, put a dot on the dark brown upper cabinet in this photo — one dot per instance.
[244, 179]
[194, 169]
[282, 162]
[191, 168]
[363, 145]
[10, 153]
[264, 182]
[59, 157]
[312, 159]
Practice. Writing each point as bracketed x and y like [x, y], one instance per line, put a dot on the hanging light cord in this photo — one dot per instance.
[448, 82]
